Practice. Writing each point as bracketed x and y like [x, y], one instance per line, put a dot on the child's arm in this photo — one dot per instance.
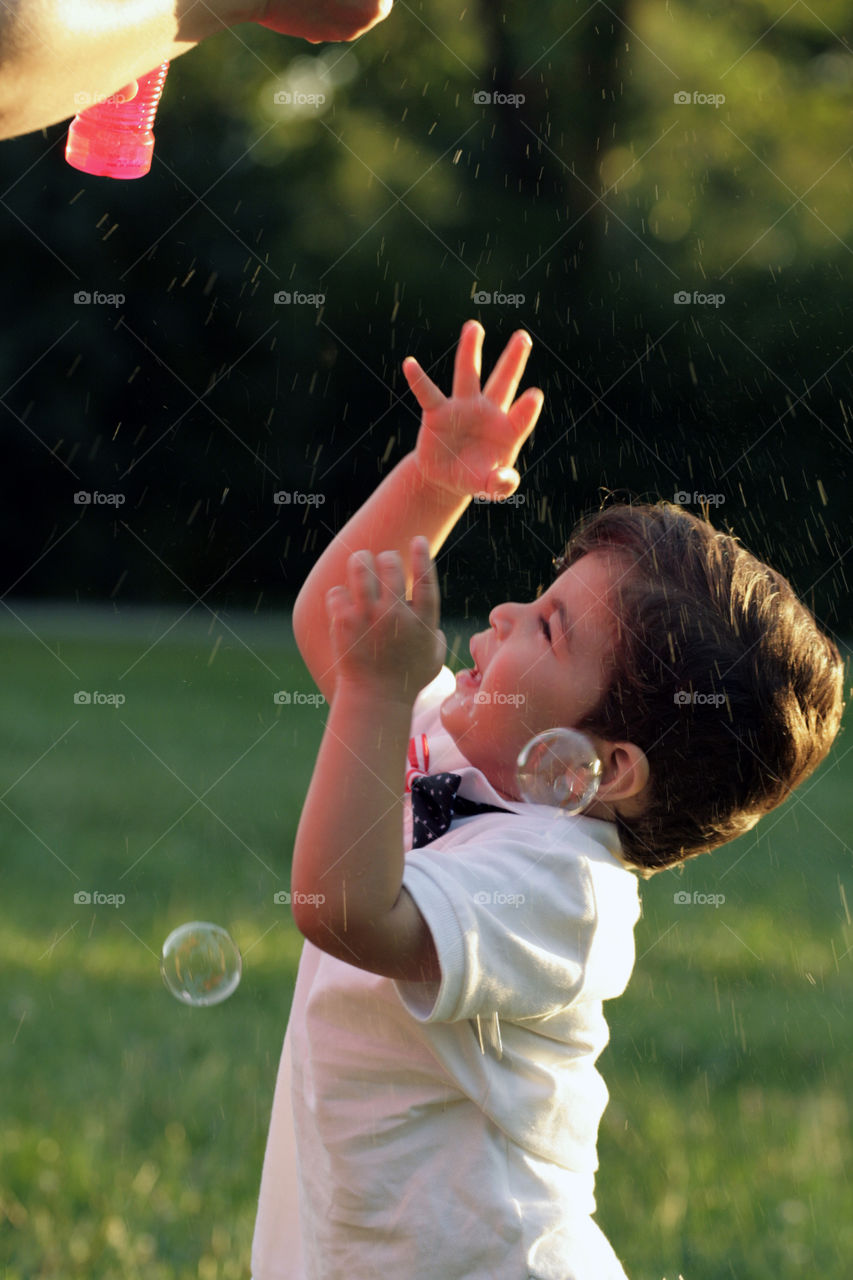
[346, 883]
[348, 860]
[466, 445]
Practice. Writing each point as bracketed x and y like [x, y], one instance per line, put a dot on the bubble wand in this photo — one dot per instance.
[114, 138]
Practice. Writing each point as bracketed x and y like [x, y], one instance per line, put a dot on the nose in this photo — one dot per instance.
[504, 617]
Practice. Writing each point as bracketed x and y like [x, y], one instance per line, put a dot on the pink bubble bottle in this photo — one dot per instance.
[115, 139]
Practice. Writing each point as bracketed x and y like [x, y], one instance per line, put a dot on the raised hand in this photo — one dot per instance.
[381, 640]
[469, 441]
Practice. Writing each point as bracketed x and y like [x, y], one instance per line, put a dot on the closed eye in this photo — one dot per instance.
[561, 636]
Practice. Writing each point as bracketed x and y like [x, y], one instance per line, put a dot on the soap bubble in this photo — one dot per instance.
[559, 767]
[200, 963]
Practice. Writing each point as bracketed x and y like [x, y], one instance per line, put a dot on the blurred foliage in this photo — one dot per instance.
[398, 198]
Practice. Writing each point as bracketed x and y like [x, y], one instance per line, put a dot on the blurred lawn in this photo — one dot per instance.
[132, 1129]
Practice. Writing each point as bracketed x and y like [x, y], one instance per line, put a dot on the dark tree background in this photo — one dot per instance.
[402, 199]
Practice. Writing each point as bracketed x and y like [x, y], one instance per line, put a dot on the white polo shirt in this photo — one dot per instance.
[448, 1130]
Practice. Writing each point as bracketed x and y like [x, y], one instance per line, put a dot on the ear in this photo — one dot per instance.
[624, 772]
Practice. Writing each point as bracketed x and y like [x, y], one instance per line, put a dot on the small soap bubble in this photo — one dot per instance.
[559, 767]
[200, 963]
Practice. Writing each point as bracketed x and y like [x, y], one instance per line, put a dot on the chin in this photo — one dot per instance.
[455, 715]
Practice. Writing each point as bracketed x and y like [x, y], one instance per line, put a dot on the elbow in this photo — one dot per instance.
[332, 934]
[310, 917]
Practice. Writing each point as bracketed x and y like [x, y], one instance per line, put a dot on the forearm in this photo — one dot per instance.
[402, 507]
[52, 50]
[348, 857]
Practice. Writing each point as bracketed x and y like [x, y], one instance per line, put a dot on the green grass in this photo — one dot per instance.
[132, 1128]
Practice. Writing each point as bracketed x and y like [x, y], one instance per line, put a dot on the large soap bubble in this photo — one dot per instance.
[201, 963]
[559, 767]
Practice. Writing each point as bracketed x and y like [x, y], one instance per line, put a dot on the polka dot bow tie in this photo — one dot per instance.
[435, 802]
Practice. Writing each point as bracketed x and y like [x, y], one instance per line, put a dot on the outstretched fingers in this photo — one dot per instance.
[524, 414]
[467, 365]
[423, 388]
[509, 370]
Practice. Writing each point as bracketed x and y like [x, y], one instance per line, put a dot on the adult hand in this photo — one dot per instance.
[320, 20]
[53, 53]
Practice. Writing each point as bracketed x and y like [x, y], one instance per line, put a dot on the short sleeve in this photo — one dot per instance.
[515, 916]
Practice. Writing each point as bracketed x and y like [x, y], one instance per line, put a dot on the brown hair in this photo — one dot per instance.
[721, 675]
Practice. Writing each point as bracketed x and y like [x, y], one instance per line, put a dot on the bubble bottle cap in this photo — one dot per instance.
[115, 139]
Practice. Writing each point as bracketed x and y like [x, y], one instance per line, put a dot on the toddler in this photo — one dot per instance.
[437, 1106]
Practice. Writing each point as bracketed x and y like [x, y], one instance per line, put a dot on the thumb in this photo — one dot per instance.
[502, 482]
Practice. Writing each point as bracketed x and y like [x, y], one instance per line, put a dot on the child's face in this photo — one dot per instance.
[524, 681]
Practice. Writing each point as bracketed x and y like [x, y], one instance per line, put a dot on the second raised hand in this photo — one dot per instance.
[380, 639]
[469, 441]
